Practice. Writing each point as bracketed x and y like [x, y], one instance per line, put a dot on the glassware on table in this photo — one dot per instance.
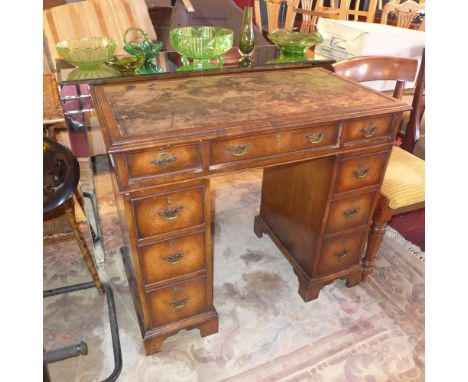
[149, 48]
[87, 74]
[87, 53]
[294, 44]
[128, 66]
[205, 45]
[246, 37]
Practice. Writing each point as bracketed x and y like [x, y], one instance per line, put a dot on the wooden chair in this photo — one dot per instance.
[405, 12]
[95, 18]
[309, 15]
[403, 185]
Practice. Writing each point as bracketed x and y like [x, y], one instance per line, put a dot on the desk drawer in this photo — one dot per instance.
[173, 257]
[166, 212]
[367, 129]
[360, 171]
[177, 301]
[340, 253]
[349, 213]
[230, 150]
[163, 161]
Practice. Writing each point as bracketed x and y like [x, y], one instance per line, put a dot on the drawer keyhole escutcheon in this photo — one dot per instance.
[239, 150]
[316, 138]
[369, 131]
[341, 253]
[351, 212]
[171, 213]
[175, 258]
[163, 159]
[179, 304]
[362, 173]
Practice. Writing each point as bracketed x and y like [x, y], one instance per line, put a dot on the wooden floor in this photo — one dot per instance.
[411, 226]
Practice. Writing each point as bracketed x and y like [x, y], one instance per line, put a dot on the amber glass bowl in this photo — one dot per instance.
[87, 52]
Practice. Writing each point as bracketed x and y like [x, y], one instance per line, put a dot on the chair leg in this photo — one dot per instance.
[83, 248]
[382, 215]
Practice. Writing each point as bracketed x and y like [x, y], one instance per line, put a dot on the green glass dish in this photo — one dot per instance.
[87, 52]
[205, 45]
[294, 43]
[148, 47]
[86, 74]
[128, 66]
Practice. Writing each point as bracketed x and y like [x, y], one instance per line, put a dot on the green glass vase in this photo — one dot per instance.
[246, 37]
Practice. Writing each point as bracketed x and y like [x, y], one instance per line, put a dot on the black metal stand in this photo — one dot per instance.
[75, 350]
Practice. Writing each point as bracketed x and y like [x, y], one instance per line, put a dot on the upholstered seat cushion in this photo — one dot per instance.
[404, 181]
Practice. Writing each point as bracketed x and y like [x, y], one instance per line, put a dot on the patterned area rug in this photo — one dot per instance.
[371, 332]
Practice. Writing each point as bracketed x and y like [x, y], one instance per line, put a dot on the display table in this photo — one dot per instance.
[324, 142]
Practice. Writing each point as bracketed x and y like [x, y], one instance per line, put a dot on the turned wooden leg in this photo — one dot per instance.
[382, 215]
[70, 212]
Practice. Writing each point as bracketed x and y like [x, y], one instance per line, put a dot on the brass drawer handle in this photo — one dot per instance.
[362, 173]
[351, 212]
[175, 258]
[316, 138]
[171, 213]
[341, 253]
[369, 131]
[163, 159]
[239, 150]
[179, 304]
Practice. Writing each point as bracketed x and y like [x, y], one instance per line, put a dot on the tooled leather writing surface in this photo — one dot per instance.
[188, 103]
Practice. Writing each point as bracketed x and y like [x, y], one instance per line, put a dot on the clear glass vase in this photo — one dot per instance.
[246, 38]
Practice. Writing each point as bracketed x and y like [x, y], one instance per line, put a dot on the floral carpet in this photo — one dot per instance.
[372, 332]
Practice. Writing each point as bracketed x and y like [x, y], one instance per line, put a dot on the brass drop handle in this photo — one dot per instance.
[316, 138]
[369, 131]
[361, 173]
[341, 253]
[175, 258]
[351, 212]
[163, 159]
[179, 304]
[239, 150]
[171, 213]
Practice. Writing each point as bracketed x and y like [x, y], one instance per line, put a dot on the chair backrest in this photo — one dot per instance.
[338, 9]
[375, 68]
[95, 18]
[405, 12]
[354, 13]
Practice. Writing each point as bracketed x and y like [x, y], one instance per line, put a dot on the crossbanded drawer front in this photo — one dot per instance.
[349, 213]
[177, 301]
[340, 253]
[162, 213]
[230, 150]
[174, 257]
[163, 162]
[360, 171]
[369, 129]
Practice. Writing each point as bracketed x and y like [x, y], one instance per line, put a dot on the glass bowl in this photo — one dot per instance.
[86, 52]
[145, 45]
[127, 66]
[294, 43]
[202, 44]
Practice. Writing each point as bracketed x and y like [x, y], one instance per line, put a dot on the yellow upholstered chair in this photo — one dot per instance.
[403, 187]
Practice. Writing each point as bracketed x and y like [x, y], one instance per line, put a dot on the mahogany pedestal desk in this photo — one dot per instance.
[322, 140]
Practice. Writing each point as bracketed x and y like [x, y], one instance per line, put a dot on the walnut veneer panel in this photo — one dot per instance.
[340, 253]
[178, 301]
[368, 129]
[173, 257]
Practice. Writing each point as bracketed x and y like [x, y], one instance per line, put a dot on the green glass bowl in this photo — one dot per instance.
[127, 66]
[294, 43]
[202, 44]
[86, 52]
